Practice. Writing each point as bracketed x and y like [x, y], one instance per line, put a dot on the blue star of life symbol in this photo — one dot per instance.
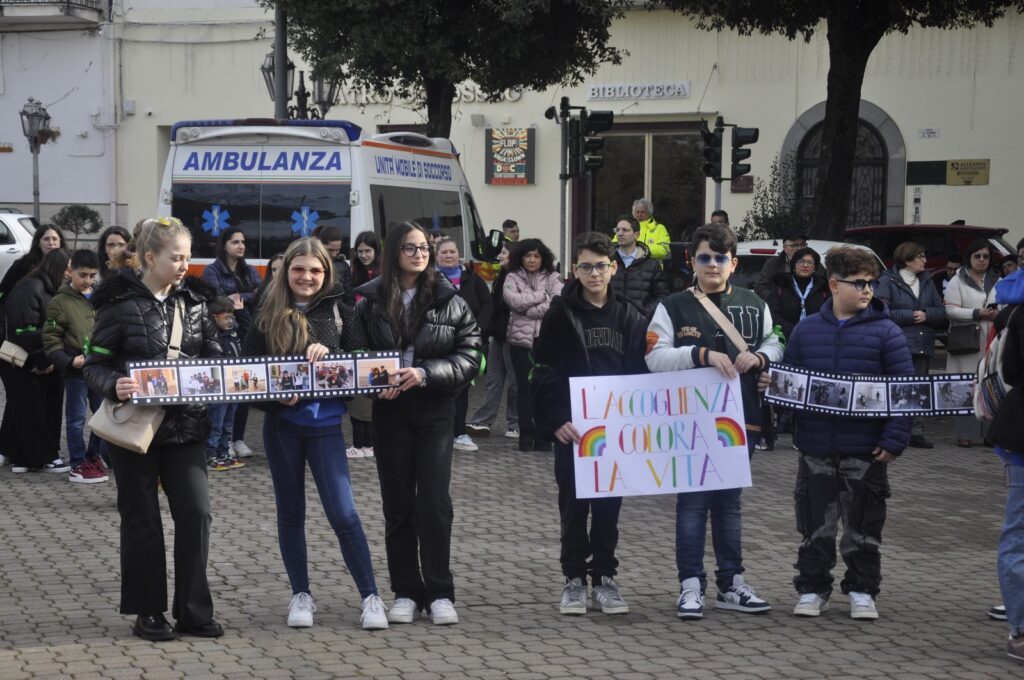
[305, 221]
[215, 220]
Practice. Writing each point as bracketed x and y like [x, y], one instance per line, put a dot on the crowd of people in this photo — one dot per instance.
[81, 316]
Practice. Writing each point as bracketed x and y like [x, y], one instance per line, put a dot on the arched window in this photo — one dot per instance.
[867, 187]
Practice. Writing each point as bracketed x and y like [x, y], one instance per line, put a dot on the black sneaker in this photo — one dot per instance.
[918, 441]
[741, 598]
[997, 613]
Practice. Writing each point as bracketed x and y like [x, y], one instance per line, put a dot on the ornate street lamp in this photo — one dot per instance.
[35, 123]
[270, 77]
[324, 94]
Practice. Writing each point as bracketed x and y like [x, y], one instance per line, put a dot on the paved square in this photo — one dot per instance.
[59, 585]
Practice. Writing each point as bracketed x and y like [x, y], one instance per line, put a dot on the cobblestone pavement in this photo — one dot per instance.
[59, 584]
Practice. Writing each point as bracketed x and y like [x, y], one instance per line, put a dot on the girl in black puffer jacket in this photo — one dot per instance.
[411, 308]
[33, 425]
[133, 322]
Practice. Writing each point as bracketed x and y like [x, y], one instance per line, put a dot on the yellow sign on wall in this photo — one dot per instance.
[967, 172]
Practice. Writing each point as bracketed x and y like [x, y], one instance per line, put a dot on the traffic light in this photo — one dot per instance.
[575, 146]
[588, 155]
[742, 136]
[712, 152]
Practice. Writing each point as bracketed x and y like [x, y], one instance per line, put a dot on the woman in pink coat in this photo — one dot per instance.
[531, 283]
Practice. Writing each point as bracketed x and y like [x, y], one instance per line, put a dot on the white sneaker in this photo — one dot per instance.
[512, 434]
[241, 449]
[3, 460]
[57, 465]
[690, 604]
[353, 452]
[464, 443]
[367, 452]
[862, 606]
[442, 612]
[404, 610]
[19, 469]
[300, 611]
[810, 604]
[374, 616]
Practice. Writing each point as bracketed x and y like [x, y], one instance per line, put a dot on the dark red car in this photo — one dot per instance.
[939, 240]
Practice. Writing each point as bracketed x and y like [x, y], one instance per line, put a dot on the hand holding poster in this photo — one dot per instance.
[659, 433]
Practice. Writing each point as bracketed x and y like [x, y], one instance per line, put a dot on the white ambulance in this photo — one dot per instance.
[279, 180]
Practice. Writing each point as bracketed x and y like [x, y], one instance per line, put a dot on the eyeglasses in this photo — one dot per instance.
[980, 256]
[860, 284]
[410, 250]
[922, 256]
[721, 259]
[805, 263]
[587, 268]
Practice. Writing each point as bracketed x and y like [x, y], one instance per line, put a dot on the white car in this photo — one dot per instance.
[753, 254]
[16, 232]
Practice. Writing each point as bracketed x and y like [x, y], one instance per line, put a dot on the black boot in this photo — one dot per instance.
[210, 629]
[153, 627]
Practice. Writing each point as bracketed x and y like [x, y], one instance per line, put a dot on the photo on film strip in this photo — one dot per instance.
[156, 382]
[787, 385]
[334, 374]
[870, 398]
[245, 379]
[377, 371]
[909, 397]
[830, 394]
[954, 395]
[201, 381]
[289, 376]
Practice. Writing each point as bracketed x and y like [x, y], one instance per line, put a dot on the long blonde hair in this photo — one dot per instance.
[282, 324]
[153, 234]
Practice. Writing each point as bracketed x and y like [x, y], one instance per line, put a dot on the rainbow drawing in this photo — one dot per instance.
[592, 443]
[729, 432]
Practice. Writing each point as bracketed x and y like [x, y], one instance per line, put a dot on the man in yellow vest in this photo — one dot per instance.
[652, 234]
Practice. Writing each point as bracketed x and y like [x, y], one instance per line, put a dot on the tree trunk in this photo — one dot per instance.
[852, 35]
[440, 95]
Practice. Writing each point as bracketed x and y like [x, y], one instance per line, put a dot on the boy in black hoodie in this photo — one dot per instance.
[585, 332]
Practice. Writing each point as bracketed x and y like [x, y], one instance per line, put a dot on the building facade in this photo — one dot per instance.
[931, 100]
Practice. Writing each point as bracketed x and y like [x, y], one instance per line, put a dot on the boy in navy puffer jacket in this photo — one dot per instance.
[844, 461]
[219, 455]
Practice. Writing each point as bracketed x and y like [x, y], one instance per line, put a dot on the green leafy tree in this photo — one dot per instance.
[775, 211]
[854, 28]
[414, 48]
[78, 219]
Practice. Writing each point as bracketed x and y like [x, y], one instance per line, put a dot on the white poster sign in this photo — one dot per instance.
[659, 433]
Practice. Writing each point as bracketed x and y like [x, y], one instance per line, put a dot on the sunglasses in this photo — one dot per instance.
[860, 284]
[720, 259]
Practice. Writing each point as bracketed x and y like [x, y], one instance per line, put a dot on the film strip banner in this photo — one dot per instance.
[871, 396]
[231, 379]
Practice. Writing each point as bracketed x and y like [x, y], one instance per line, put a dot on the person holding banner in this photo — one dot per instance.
[135, 317]
[412, 308]
[302, 314]
[729, 328]
[843, 471]
[587, 331]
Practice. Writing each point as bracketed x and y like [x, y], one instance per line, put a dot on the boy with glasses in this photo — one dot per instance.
[682, 335]
[843, 470]
[586, 331]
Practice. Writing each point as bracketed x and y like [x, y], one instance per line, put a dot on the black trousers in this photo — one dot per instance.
[240, 422]
[181, 471]
[362, 433]
[829, 489]
[413, 448]
[35, 404]
[922, 363]
[461, 408]
[577, 544]
[521, 365]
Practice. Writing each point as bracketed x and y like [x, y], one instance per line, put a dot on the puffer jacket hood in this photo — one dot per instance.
[132, 325]
[446, 344]
[867, 344]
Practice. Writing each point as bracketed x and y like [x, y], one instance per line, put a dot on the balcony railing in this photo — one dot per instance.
[36, 15]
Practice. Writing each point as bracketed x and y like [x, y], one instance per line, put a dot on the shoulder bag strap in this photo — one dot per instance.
[177, 321]
[338, 322]
[719, 318]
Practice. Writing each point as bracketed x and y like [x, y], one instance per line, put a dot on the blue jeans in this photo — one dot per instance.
[77, 398]
[289, 448]
[1011, 550]
[692, 511]
[221, 416]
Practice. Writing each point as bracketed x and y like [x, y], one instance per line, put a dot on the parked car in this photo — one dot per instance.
[939, 240]
[753, 254]
[16, 232]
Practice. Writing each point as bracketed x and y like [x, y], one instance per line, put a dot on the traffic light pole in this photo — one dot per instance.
[563, 177]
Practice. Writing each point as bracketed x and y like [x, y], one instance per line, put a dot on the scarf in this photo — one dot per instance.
[912, 282]
[804, 295]
[453, 274]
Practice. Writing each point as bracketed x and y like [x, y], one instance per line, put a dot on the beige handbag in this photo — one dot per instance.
[13, 354]
[133, 426]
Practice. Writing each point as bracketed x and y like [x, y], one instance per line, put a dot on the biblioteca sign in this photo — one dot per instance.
[677, 89]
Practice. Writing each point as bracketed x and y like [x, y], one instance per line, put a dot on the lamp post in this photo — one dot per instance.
[279, 76]
[35, 123]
